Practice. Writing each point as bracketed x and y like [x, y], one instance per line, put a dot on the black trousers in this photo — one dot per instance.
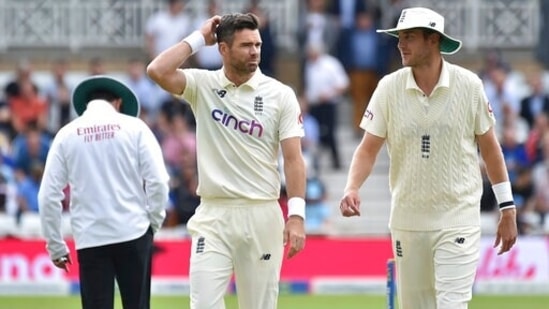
[127, 262]
[326, 116]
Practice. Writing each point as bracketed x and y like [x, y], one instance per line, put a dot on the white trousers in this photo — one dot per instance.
[244, 240]
[436, 269]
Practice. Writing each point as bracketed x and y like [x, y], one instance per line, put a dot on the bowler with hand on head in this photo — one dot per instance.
[243, 119]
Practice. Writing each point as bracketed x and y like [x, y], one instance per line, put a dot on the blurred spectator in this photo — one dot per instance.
[493, 59]
[534, 140]
[27, 189]
[183, 191]
[268, 45]
[57, 93]
[138, 81]
[310, 142]
[537, 102]
[8, 189]
[164, 29]
[28, 107]
[345, 12]
[96, 66]
[540, 178]
[503, 100]
[318, 211]
[28, 148]
[167, 27]
[542, 49]
[361, 51]
[514, 152]
[208, 57]
[315, 27]
[6, 126]
[178, 135]
[519, 169]
[325, 83]
[23, 74]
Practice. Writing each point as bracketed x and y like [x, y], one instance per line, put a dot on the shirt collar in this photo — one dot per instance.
[100, 106]
[443, 80]
[252, 82]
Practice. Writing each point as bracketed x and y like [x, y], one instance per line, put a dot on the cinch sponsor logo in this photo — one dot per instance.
[20, 267]
[252, 127]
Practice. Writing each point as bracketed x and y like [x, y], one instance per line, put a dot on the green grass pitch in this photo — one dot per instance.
[285, 302]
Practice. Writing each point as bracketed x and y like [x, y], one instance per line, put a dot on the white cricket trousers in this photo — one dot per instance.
[241, 239]
[436, 269]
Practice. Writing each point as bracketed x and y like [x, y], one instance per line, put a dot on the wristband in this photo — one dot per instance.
[504, 195]
[195, 40]
[296, 207]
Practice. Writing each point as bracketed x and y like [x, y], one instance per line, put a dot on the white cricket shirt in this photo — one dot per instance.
[118, 180]
[238, 133]
[434, 176]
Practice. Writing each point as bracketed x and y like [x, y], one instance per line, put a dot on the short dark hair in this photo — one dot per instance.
[103, 95]
[231, 23]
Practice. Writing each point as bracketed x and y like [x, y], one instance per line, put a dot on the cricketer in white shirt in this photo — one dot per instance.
[242, 118]
[238, 132]
[437, 122]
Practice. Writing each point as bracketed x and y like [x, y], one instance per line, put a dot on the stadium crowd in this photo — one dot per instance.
[340, 53]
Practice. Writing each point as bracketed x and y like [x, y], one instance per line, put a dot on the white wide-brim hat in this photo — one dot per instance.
[419, 17]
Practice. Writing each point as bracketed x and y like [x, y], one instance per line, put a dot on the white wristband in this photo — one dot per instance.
[296, 207]
[504, 195]
[195, 40]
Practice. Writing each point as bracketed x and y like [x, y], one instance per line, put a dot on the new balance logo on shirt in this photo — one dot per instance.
[265, 257]
[221, 93]
[398, 248]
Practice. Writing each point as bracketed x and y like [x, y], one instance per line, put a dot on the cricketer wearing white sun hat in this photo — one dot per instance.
[419, 17]
[436, 123]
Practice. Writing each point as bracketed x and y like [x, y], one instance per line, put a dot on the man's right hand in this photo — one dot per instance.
[63, 262]
[350, 204]
[208, 30]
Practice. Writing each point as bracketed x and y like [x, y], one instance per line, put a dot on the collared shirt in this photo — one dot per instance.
[434, 175]
[167, 29]
[117, 177]
[324, 77]
[238, 133]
